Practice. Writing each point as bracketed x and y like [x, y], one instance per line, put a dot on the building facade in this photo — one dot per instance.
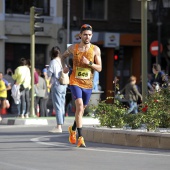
[15, 31]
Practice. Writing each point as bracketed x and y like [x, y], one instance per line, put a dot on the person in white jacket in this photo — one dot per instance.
[15, 93]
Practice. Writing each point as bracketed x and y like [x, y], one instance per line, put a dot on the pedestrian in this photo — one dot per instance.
[96, 81]
[159, 77]
[58, 91]
[86, 59]
[47, 79]
[132, 95]
[48, 84]
[41, 95]
[22, 77]
[8, 77]
[35, 72]
[4, 86]
[149, 86]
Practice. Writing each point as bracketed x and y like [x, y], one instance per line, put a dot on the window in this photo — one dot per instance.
[95, 9]
[135, 11]
[23, 6]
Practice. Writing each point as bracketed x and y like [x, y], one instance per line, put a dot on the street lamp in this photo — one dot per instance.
[159, 8]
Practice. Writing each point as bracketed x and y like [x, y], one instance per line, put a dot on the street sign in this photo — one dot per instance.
[154, 48]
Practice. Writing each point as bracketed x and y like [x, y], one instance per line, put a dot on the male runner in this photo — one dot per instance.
[86, 59]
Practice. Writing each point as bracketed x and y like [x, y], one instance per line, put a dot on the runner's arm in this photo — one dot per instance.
[68, 52]
[97, 63]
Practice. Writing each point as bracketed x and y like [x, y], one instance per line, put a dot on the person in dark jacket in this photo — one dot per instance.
[132, 95]
[159, 77]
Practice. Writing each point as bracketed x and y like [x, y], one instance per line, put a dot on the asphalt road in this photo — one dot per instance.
[33, 148]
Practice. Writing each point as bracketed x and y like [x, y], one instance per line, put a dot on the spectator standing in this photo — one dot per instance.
[47, 79]
[35, 72]
[58, 91]
[86, 59]
[96, 81]
[48, 84]
[22, 76]
[4, 86]
[149, 86]
[40, 95]
[158, 76]
[8, 77]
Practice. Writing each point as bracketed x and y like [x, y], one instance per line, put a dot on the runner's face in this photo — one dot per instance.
[86, 36]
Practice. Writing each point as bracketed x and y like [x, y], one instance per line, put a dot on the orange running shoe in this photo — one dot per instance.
[81, 142]
[72, 135]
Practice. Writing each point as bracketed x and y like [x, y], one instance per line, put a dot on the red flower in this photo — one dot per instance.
[144, 109]
[156, 101]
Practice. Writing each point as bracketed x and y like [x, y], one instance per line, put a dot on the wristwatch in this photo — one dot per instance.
[90, 63]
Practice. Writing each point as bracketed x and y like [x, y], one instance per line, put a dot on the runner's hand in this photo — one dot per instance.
[85, 60]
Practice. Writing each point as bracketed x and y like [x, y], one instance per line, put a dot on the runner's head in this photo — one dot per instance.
[86, 33]
[85, 27]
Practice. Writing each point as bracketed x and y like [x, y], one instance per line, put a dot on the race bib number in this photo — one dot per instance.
[83, 73]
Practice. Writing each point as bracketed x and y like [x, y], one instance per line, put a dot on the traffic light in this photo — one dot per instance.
[121, 53]
[116, 58]
[35, 19]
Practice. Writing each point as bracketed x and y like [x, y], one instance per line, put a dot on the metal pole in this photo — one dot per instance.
[32, 34]
[144, 48]
[159, 32]
[68, 21]
[32, 113]
[159, 42]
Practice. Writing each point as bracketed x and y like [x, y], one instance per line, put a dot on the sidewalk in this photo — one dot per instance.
[14, 120]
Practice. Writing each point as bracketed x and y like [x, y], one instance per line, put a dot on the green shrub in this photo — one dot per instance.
[156, 109]
[110, 114]
[154, 113]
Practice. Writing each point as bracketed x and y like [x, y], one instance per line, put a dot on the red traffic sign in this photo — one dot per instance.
[154, 48]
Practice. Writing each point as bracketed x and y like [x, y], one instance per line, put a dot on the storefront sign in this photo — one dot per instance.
[111, 40]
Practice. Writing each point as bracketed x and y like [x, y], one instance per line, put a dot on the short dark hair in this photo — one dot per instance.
[23, 62]
[132, 78]
[85, 27]
[157, 67]
[29, 62]
[55, 51]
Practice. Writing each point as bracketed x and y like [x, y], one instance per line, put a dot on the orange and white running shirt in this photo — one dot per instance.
[82, 74]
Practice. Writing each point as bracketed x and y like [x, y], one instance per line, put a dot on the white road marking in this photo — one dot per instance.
[137, 152]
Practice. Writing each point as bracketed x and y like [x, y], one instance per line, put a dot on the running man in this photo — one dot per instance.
[86, 59]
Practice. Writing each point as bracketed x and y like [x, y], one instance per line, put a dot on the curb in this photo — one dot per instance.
[127, 138]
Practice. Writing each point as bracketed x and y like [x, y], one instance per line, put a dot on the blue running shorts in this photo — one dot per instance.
[79, 92]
